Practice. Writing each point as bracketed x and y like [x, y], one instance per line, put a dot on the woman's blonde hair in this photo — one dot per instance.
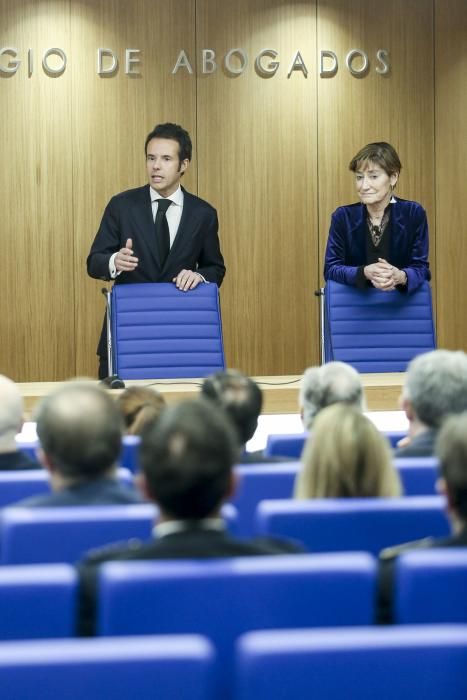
[346, 457]
[139, 407]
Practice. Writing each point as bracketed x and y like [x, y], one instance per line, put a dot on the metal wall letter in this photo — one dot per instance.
[182, 62]
[12, 66]
[243, 60]
[332, 69]
[271, 68]
[298, 64]
[54, 52]
[113, 66]
[209, 61]
[131, 59]
[364, 67]
[383, 57]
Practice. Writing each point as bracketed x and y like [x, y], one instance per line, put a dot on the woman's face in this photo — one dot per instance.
[374, 185]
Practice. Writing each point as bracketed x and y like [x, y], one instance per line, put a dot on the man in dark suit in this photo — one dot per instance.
[80, 431]
[451, 449]
[187, 460]
[435, 387]
[11, 422]
[158, 232]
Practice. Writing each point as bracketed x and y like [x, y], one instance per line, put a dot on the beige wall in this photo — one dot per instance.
[270, 153]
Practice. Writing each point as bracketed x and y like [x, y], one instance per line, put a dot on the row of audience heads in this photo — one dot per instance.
[188, 450]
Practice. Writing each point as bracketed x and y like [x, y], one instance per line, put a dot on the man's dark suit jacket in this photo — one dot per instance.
[195, 543]
[98, 492]
[14, 461]
[346, 246]
[386, 572]
[129, 215]
[422, 445]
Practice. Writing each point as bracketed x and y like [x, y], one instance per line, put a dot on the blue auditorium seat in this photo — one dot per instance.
[257, 482]
[145, 668]
[129, 456]
[285, 445]
[403, 663]
[224, 598]
[37, 602]
[159, 331]
[431, 586]
[363, 524]
[375, 331]
[418, 475]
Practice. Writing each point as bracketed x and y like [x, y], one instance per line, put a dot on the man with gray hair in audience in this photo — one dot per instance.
[334, 382]
[80, 431]
[435, 386]
[11, 422]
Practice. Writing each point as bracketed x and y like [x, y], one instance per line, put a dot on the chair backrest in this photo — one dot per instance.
[129, 456]
[375, 331]
[431, 586]
[37, 602]
[257, 482]
[367, 524]
[418, 475]
[364, 664]
[31, 535]
[222, 599]
[285, 445]
[154, 667]
[159, 331]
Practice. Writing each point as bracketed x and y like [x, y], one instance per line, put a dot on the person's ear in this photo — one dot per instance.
[45, 460]
[142, 485]
[393, 179]
[406, 406]
[184, 165]
[232, 487]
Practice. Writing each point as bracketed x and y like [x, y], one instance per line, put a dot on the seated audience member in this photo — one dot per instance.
[241, 399]
[435, 386]
[80, 433]
[139, 406]
[187, 464]
[451, 449]
[11, 422]
[334, 382]
[346, 457]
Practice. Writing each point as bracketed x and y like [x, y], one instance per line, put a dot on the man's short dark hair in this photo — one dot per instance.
[239, 396]
[451, 449]
[187, 458]
[174, 132]
[80, 430]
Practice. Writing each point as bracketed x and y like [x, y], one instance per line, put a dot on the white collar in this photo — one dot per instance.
[173, 526]
[176, 197]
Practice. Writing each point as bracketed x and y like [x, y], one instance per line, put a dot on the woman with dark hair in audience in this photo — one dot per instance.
[140, 406]
[383, 240]
[346, 457]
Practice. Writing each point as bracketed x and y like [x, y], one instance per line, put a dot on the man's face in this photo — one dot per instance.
[163, 165]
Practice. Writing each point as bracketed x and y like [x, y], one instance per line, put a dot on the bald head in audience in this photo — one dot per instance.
[334, 382]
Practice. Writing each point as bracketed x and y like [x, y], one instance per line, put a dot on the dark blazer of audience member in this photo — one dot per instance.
[241, 399]
[346, 457]
[334, 382]
[187, 461]
[451, 449]
[383, 240]
[140, 406]
[435, 386]
[11, 422]
[80, 433]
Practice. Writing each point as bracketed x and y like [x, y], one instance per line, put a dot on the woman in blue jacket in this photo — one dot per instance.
[383, 240]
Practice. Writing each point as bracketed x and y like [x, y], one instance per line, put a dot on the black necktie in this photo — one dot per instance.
[162, 230]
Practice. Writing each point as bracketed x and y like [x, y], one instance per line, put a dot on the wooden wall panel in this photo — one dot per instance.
[111, 118]
[451, 157]
[398, 108]
[257, 165]
[36, 264]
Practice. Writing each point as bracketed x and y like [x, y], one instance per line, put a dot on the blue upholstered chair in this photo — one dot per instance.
[406, 663]
[224, 598]
[146, 668]
[129, 456]
[257, 482]
[37, 602]
[418, 475]
[375, 331]
[363, 524]
[285, 445]
[431, 586]
[159, 331]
